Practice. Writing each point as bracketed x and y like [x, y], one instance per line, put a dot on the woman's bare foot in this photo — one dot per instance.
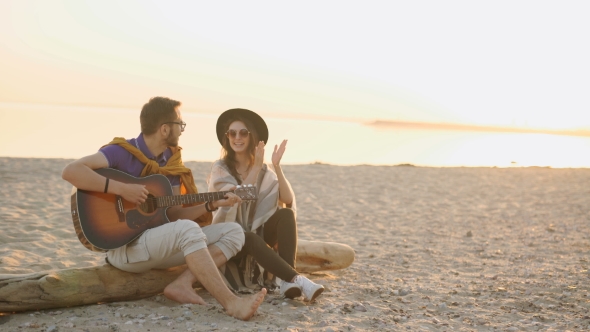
[244, 307]
[182, 293]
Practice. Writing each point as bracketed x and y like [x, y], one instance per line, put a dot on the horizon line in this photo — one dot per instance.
[513, 165]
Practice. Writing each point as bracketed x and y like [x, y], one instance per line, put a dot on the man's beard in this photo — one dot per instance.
[172, 141]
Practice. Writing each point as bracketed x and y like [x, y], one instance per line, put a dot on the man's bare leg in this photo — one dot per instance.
[217, 255]
[181, 290]
[202, 267]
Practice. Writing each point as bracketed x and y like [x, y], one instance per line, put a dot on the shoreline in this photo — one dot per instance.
[338, 165]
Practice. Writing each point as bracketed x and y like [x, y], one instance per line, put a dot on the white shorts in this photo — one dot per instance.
[166, 246]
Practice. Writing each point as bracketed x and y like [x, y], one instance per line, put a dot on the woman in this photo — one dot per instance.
[270, 221]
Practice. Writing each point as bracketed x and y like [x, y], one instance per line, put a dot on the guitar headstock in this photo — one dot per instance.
[246, 192]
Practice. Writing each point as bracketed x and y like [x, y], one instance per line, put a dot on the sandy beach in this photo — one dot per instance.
[437, 249]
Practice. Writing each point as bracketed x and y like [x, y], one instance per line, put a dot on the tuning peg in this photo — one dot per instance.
[250, 185]
[238, 186]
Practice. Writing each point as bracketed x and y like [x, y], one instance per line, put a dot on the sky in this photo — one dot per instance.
[492, 63]
[347, 82]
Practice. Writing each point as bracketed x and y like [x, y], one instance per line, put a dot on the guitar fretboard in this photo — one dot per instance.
[165, 201]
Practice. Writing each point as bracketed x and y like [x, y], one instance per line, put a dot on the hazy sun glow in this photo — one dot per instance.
[502, 63]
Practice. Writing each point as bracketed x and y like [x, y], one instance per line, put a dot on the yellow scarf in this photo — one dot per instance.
[173, 167]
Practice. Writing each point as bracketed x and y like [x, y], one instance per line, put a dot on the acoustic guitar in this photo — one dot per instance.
[106, 221]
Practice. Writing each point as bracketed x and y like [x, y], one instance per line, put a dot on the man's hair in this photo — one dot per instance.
[157, 111]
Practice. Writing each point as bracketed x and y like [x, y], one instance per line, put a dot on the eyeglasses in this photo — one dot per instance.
[242, 132]
[181, 123]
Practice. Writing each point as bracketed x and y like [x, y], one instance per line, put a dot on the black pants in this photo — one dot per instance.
[281, 229]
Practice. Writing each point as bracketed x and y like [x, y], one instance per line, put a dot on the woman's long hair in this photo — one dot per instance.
[228, 155]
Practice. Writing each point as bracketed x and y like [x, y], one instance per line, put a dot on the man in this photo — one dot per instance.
[156, 150]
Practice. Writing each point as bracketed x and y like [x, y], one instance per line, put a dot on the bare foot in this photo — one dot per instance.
[244, 307]
[182, 293]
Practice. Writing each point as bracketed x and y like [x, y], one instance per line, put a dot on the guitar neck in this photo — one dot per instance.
[166, 201]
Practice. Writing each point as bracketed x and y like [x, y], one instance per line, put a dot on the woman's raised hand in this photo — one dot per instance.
[278, 153]
[259, 155]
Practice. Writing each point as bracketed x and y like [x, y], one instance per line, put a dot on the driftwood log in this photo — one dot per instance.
[99, 284]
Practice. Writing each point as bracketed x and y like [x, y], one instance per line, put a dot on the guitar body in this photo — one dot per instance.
[107, 221]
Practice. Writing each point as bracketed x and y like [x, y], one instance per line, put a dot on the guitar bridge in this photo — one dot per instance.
[120, 209]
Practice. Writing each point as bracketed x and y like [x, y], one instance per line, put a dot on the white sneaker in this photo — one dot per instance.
[289, 290]
[310, 289]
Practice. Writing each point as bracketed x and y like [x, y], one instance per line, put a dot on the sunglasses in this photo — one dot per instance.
[233, 133]
[182, 124]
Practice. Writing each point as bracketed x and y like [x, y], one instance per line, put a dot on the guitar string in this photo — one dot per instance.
[155, 202]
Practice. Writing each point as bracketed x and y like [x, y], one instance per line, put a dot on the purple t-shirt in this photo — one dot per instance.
[120, 159]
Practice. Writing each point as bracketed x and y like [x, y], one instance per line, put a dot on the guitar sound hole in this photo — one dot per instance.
[150, 205]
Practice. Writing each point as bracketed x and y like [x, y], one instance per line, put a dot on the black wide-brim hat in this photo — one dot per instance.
[255, 119]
